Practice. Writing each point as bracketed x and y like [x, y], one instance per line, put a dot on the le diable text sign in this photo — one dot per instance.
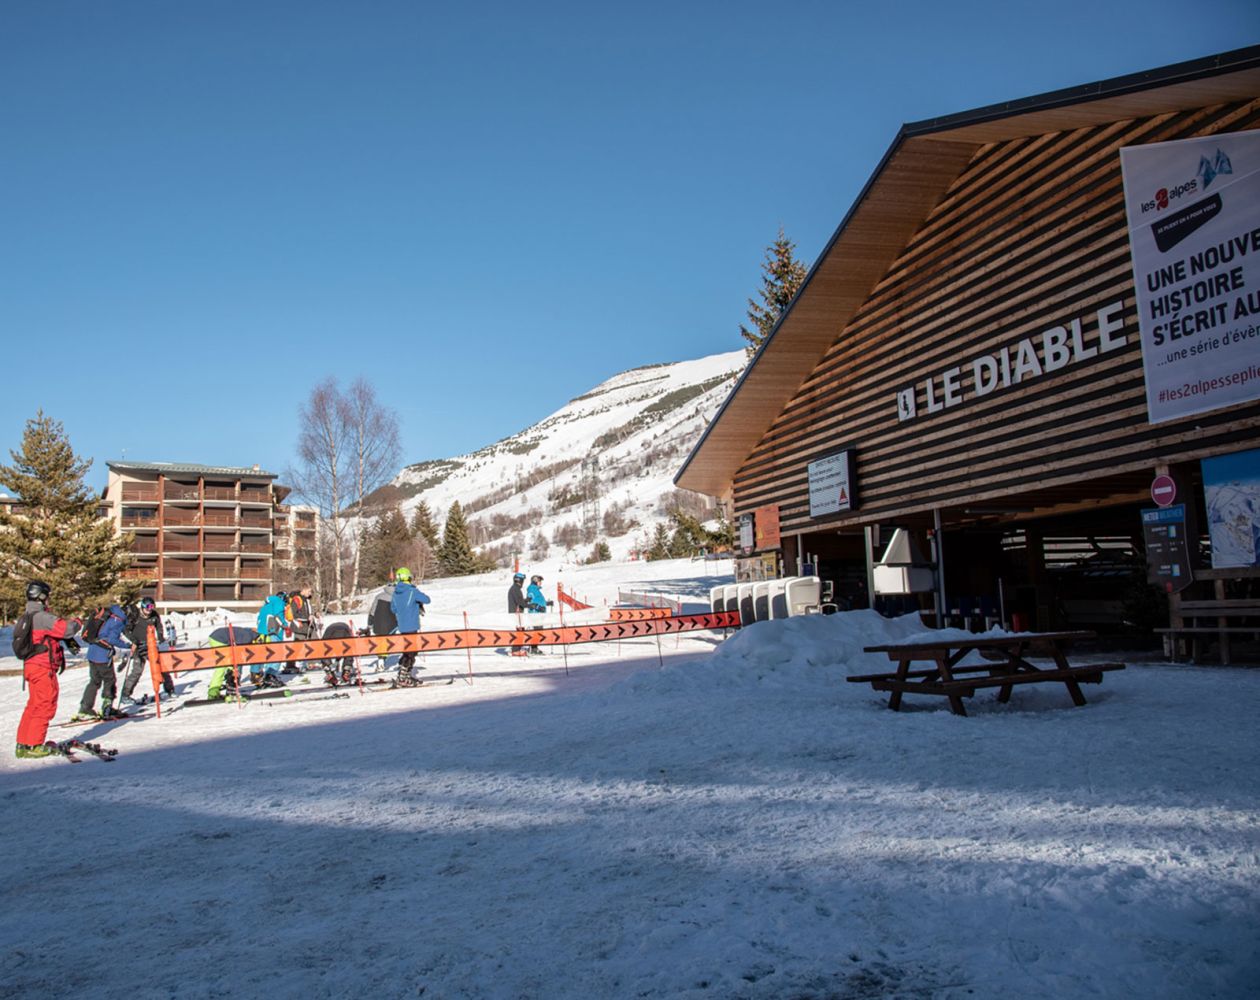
[1017, 362]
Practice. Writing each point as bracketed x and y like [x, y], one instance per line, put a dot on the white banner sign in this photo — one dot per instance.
[1194, 233]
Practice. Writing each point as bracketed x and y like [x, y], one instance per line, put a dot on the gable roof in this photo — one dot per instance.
[923, 160]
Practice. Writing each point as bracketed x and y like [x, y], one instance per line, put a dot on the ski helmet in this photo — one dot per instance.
[402, 574]
[146, 605]
[519, 577]
[38, 590]
[535, 579]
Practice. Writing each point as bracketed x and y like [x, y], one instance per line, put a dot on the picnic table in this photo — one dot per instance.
[1005, 665]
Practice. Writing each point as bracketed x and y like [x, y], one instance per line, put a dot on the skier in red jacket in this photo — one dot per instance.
[41, 668]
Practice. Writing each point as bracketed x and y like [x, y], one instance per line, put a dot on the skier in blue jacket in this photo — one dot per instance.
[271, 626]
[535, 602]
[100, 656]
[407, 605]
[534, 596]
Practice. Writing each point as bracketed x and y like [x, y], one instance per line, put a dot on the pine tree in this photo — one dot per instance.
[422, 525]
[456, 556]
[660, 547]
[55, 533]
[782, 275]
[388, 545]
[599, 553]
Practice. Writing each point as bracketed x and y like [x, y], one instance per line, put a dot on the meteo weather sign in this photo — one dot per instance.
[831, 484]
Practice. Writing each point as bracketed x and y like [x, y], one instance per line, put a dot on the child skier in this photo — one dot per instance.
[407, 606]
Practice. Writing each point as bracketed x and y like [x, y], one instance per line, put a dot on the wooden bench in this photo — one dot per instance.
[1007, 667]
[1220, 609]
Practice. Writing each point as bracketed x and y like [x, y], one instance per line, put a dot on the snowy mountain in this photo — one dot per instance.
[599, 468]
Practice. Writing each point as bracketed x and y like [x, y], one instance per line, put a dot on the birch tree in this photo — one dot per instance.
[324, 450]
[374, 453]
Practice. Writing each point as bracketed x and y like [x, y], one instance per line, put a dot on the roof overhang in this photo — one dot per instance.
[910, 180]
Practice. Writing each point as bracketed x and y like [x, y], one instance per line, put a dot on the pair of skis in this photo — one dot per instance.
[69, 750]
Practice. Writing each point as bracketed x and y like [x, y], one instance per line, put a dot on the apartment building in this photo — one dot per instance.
[205, 536]
[296, 545]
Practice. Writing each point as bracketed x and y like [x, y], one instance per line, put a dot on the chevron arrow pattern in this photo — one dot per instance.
[657, 621]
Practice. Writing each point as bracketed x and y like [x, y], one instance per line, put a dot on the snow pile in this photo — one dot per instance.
[690, 817]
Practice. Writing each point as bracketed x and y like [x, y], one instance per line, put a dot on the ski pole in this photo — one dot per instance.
[566, 645]
[468, 650]
[236, 674]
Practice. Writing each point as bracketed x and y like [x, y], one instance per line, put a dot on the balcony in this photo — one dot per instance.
[144, 545]
[176, 518]
[212, 572]
[181, 491]
[255, 495]
[249, 520]
[181, 571]
[140, 494]
[219, 493]
[178, 592]
[140, 573]
[140, 519]
[220, 544]
[218, 518]
[220, 593]
[260, 570]
[174, 543]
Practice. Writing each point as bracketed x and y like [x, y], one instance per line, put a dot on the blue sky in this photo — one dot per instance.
[209, 207]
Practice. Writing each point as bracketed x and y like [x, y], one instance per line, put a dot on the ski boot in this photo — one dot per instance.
[110, 712]
[331, 678]
[31, 752]
[405, 680]
[88, 715]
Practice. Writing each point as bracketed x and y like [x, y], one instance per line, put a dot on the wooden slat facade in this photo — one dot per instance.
[1030, 234]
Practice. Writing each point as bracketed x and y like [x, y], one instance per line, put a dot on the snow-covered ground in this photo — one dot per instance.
[697, 817]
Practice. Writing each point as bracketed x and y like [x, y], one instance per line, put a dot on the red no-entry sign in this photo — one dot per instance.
[1163, 490]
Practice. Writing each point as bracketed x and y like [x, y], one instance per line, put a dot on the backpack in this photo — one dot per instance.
[92, 624]
[23, 647]
[381, 620]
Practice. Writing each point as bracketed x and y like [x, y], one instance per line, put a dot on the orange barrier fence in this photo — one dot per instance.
[259, 653]
[568, 599]
[637, 614]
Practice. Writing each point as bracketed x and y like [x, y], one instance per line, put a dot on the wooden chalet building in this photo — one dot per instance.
[965, 358]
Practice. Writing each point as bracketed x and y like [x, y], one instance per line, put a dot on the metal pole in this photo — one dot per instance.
[940, 566]
[870, 531]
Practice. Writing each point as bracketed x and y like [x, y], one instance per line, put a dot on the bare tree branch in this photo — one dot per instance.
[373, 431]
